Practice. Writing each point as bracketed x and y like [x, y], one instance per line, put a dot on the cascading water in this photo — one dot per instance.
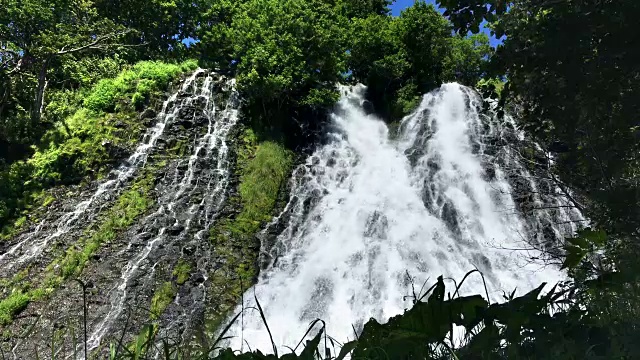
[367, 214]
[35, 242]
[186, 208]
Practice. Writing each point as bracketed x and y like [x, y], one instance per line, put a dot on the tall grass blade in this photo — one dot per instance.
[264, 320]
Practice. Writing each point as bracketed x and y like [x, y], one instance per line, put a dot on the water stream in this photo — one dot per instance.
[186, 207]
[33, 243]
[370, 214]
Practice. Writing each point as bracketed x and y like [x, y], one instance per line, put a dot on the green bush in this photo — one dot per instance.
[137, 83]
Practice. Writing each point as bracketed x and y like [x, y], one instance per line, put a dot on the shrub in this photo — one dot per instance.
[135, 84]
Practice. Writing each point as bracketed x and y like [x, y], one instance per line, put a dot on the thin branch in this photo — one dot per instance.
[96, 44]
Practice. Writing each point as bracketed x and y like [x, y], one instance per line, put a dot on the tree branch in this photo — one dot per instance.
[96, 44]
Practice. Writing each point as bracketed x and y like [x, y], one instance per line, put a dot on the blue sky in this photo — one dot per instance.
[399, 5]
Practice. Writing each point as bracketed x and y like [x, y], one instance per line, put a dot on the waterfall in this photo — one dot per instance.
[33, 243]
[185, 210]
[370, 214]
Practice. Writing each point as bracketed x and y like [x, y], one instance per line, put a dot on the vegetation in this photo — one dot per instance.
[20, 291]
[264, 167]
[71, 82]
[401, 58]
[84, 143]
[570, 67]
[182, 271]
[163, 296]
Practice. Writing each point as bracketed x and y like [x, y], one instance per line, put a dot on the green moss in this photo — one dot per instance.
[138, 84]
[163, 296]
[182, 271]
[264, 168]
[12, 305]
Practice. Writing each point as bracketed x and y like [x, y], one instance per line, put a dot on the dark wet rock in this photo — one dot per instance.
[433, 165]
[147, 114]
[199, 278]
[188, 250]
[368, 107]
[115, 152]
[450, 217]
[489, 173]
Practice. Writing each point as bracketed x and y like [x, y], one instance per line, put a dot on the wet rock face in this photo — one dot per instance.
[368, 107]
[191, 165]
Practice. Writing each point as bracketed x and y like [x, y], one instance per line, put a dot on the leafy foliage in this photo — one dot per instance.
[592, 129]
[136, 84]
[85, 143]
[53, 46]
[401, 58]
[287, 57]
[571, 69]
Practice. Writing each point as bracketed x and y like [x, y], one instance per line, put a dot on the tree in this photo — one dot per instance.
[572, 70]
[42, 43]
[363, 8]
[401, 58]
[576, 89]
[287, 57]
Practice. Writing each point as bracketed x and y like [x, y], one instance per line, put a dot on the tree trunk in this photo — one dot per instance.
[36, 111]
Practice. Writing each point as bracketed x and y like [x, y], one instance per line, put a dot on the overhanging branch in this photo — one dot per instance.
[98, 43]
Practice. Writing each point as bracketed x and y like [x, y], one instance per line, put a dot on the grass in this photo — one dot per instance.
[15, 303]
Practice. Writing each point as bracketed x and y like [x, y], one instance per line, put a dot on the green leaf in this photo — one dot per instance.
[598, 237]
[346, 349]
[311, 347]
[573, 257]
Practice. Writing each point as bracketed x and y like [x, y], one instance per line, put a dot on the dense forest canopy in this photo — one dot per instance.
[569, 68]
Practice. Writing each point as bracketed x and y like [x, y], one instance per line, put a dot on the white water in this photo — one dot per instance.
[174, 206]
[35, 242]
[365, 210]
